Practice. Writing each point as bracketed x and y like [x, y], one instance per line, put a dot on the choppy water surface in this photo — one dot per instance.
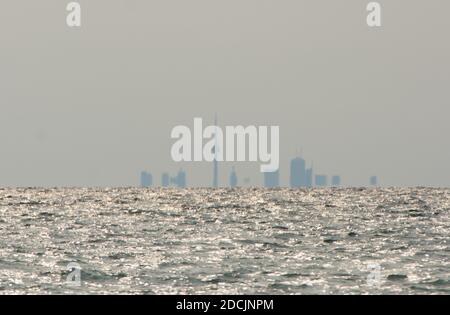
[244, 241]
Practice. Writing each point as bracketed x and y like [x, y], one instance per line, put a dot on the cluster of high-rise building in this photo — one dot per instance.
[146, 179]
[178, 180]
[300, 176]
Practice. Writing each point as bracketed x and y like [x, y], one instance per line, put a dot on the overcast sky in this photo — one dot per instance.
[95, 106]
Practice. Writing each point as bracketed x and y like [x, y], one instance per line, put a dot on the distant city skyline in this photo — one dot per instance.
[300, 177]
[95, 106]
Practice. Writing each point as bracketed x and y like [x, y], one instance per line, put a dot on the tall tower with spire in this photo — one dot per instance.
[215, 162]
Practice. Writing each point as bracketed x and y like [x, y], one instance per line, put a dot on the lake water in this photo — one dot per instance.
[223, 241]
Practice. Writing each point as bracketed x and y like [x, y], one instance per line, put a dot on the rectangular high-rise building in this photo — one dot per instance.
[181, 179]
[272, 179]
[321, 180]
[309, 177]
[165, 180]
[233, 178]
[146, 179]
[336, 181]
[298, 173]
[373, 181]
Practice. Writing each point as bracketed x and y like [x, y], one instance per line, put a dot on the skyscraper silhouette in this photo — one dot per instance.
[373, 181]
[298, 173]
[146, 179]
[215, 162]
[336, 181]
[180, 179]
[272, 179]
[233, 178]
[321, 180]
[165, 180]
[309, 177]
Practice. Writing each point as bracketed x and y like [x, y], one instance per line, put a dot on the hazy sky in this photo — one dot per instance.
[94, 106]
